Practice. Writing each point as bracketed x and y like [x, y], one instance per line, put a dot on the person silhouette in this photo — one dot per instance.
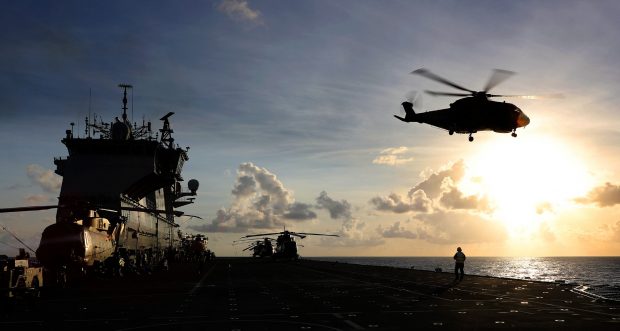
[459, 259]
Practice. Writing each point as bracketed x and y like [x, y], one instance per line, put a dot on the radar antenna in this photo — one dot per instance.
[166, 131]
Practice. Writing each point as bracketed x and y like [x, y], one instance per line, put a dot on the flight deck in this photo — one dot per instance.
[263, 294]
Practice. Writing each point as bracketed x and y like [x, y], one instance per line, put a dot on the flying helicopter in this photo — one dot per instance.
[286, 247]
[473, 113]
[118, 197]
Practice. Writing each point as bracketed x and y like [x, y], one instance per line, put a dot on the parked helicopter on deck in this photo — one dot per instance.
[286, 247]
[473, 113]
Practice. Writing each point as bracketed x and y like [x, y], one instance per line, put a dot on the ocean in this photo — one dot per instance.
[596, 275]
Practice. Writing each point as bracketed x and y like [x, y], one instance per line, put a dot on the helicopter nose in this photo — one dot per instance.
[522, 120]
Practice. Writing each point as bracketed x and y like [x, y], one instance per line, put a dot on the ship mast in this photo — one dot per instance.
[125, 87]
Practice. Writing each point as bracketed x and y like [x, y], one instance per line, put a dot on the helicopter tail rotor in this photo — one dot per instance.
[409, 112]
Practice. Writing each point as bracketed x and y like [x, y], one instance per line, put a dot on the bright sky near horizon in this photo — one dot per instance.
[287, 108]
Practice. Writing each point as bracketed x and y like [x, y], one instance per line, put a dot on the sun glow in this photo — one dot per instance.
[526, 179]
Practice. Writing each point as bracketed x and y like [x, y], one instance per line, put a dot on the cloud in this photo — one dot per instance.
[240, 10]
[393, 156]
[452, 227]
[418, 201]
[452, 198]
[439, 187]
[37, 199]
[337, 209]
[300, 211]
[260, 201]
[432, 184]
[396, 231]
[604, 196]
[543, 207]
[351, 231]
[351, 234]
[45, 178]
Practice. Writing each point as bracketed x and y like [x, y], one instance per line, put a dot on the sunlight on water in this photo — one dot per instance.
[600, 273]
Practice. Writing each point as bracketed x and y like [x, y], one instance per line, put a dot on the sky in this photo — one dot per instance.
[287, 108]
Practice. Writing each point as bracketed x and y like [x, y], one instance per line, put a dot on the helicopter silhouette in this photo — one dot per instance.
[473, 113]
[286, 246]
[259, 248]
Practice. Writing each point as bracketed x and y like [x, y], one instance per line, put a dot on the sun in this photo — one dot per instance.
[526, 179]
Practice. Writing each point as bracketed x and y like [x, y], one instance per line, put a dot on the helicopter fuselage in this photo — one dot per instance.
[470, 115]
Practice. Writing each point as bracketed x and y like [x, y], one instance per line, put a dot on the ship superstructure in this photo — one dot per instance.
[121, 185]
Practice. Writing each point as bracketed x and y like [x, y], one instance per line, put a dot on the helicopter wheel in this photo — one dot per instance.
[451, 132]
[514, 134]
[471, 138]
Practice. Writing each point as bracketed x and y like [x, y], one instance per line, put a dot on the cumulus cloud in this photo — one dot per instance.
[417, 201]
[45, 178]
[452, 198]
[393, 156]
[240, 10]
[351, 231]
[439, 187]
[260, 201]
[337, 209]
[396, 231]
[432, 184]
[299, 211]
[604, 196]
[449, 227]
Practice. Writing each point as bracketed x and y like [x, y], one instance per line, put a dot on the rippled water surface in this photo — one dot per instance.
[600, 274]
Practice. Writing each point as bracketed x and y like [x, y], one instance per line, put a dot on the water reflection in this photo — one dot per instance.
[600, 273]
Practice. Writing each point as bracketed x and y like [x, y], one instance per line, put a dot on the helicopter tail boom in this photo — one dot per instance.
[409, 112]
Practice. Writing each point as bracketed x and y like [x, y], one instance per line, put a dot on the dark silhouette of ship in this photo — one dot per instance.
[120, 190]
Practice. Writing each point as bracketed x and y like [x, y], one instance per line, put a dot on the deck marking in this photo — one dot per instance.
[199, 283]
[349, 322]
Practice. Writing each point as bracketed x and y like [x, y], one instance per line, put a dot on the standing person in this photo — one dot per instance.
[459, 258]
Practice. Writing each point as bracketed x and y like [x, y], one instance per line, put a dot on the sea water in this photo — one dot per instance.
[598, 275]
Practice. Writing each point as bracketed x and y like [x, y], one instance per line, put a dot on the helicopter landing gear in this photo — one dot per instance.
[471, 138]
[514, 133]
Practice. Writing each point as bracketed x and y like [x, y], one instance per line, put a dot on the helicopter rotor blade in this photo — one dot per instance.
[317, 234]
[27, 208]
[434, 93]
[432, 76]
[497, 77]
[261, 234]
[531, 97]
[192, 216]
[177, 213]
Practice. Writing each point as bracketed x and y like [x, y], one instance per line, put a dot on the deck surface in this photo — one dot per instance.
[254, 294]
